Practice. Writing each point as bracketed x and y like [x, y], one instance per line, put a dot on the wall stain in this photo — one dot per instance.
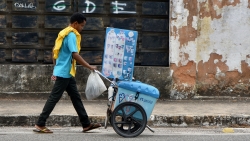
[188, 33]
[203, 39]
[215, 79]
[211, 8]
[184, 75]
[210, 67]
[245, 72]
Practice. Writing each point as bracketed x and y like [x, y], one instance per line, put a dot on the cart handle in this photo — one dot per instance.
[105, 77]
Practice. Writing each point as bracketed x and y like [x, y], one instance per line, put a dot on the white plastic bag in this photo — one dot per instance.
[95, 86]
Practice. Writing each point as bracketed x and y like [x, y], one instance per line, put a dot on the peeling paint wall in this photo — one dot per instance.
[209, 48]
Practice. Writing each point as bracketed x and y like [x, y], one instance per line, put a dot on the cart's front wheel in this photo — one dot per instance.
[129, 119]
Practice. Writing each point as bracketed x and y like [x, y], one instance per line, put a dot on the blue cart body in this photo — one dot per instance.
[138, 92]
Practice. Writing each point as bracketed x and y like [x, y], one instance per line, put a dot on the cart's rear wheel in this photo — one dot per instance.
[129, 119]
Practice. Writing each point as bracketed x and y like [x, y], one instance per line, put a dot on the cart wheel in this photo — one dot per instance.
[129, 119]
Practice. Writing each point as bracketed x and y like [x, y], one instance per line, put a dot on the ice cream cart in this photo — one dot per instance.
[130, 102]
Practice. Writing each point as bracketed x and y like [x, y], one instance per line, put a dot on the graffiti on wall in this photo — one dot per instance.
[59, 5]
[90, 8]
[27, 5]
[119, 8]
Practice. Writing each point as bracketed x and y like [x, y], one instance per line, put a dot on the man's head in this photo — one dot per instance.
[78, 21]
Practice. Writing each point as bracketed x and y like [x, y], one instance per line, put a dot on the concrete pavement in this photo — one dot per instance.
[167, 113]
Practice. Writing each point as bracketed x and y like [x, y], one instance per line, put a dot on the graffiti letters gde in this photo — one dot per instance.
[91, 7]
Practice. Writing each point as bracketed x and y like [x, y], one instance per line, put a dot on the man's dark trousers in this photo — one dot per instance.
[61, 85]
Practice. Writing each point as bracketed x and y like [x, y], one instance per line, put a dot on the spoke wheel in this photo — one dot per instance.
[129, 119]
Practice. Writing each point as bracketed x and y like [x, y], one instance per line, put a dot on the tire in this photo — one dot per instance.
[129, 119]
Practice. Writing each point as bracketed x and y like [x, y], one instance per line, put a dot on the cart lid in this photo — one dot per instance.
[137, 86]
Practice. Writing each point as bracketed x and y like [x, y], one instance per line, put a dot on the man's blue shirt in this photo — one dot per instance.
[64, 60]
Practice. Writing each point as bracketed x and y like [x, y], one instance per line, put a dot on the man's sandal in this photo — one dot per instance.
[91, 127]
[42, 130]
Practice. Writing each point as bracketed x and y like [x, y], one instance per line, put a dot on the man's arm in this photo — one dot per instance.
[54, 61]
[81, 61]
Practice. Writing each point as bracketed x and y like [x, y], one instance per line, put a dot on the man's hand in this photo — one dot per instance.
[53, 78]
[92, 67]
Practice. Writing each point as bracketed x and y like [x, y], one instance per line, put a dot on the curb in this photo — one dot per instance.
[155, 121]
[201, 121]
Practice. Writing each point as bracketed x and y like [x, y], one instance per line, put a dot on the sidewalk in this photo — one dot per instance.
[170, 113]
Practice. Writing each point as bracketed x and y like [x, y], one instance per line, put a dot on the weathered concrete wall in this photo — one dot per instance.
[33, 81]
[209, 48]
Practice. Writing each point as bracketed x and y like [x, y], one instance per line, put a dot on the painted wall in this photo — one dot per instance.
[29, 28]
[210, 48]
[32, 81]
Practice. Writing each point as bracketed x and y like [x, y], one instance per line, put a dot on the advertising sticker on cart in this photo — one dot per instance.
[119, 53]
[131, 98]
[126, 98]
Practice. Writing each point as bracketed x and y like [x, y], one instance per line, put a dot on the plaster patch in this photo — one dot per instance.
[216, 61]
[218, 70]
[174, 51]
[185, 85]
[182, 34]
[219, 74]
[218, 10]
[171, 72]
[200, 1]
[180, 54]
[231, 1]
[190, 49]
[226, 35]
[179, 13]
[194, 22]
[230, 35]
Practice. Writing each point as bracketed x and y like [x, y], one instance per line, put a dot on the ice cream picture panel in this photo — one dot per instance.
[119, 53]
